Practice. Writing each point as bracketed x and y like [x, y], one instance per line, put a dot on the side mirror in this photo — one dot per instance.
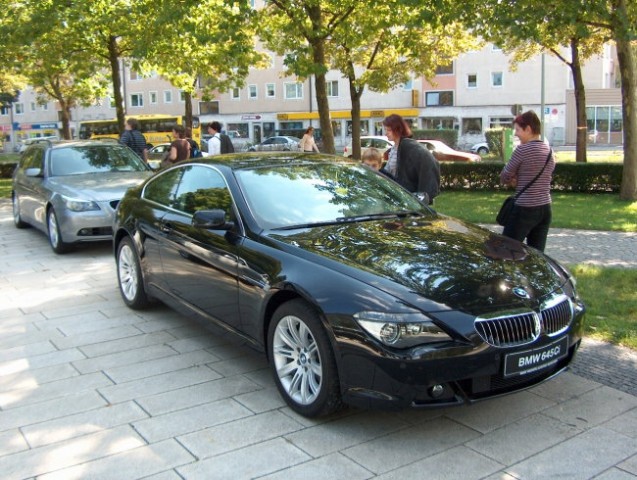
[33, 172]
[211, 219]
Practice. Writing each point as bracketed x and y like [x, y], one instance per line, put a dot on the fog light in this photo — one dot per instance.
[436, 391]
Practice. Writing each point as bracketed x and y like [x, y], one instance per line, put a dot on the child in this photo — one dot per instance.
[372, 158]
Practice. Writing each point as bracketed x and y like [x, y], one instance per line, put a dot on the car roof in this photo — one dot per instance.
[56, 144]
[252, 160]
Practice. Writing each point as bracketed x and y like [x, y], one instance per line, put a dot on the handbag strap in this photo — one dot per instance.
[548, 157]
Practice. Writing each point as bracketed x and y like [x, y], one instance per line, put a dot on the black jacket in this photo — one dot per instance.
[417, 170]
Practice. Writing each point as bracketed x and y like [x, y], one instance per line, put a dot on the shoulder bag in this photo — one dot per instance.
[507, 207]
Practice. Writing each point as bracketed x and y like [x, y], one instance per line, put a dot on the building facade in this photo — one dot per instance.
[476, 93]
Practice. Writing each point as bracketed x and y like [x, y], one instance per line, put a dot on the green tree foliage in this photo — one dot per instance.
[301, 31]
[204, 40]
[386, 46]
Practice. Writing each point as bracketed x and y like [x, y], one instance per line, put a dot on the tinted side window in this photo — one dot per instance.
[202, 188]
[33, 158]
[161, 189]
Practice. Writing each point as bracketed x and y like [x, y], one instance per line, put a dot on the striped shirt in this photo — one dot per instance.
[135, 141]
[526, 162]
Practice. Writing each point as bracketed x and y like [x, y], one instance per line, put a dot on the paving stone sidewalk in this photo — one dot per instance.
[91, 389]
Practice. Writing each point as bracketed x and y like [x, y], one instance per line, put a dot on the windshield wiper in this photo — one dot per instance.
[352, 219]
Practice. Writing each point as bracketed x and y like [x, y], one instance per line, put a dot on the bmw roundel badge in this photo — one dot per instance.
[520, 292]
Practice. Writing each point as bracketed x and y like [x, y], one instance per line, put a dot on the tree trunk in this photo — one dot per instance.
[188, 109]
[318, 49]
[580, 103]
[65, 117]
[113, 58]
[355, 98]
[627, 59]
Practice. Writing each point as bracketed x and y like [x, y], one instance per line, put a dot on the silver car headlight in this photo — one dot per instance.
[76, 205]
[401, 330]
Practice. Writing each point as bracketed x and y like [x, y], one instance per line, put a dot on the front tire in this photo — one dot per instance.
[17, 219]
[129, 276]
[302, 360]
[55, 236]
[483, 151]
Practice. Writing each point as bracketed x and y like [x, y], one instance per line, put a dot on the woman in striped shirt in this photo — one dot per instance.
[532, 214]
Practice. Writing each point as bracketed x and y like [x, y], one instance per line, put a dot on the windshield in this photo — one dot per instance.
[319, 193]
[78, 160]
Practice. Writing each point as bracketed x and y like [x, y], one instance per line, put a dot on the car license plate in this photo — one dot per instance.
[529, 361]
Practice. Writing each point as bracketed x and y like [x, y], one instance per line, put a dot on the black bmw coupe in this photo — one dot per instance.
[358, 292]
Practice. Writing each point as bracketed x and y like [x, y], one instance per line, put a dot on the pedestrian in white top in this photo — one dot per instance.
[307, 142]
[214, 143]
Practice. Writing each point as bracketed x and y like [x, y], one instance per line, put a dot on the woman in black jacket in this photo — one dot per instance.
[412, 165]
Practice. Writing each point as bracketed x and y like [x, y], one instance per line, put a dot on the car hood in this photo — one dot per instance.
[97, 186]
[453, 264]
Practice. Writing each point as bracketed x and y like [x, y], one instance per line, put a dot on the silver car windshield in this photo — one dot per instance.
[81, 160]
[322, 193]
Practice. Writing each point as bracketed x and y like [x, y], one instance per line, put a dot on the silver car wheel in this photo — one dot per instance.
[297, 360]
[127, 269]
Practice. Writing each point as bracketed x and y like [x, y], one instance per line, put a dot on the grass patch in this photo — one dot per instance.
[570, 210]
[5, 188]
[610, 295]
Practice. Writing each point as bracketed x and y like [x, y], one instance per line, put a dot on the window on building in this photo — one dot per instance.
[293, 90]
[235, 93]
[33, 106]
[4, 111]
[500, 122]
[472, 126]
[133, 75]
[152, 98]
[438, 123]
[168, 96]
[332, 88]
[445, 69]
[45, 107]
[270, 91]
[252, 91]
[136, 100]
[439, 99]
[496, 79]
[472, 80]
[209, 108]
[182, 96]
[19, 108]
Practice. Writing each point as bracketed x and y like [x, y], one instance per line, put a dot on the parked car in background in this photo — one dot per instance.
[444, 153]
[157, 153]
[30, 141]
[70, 190]
[277, 143]
[296, 254]
[481, 148]
[380, 142]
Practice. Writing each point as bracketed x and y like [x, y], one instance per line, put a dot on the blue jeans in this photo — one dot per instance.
[530, 223]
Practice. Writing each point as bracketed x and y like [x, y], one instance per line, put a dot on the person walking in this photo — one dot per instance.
[214, 142]
[179, 148]
[530, 171]
[409, 163]
[307, 143]
[133, 138]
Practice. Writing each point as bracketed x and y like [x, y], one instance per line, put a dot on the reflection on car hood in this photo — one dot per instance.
[97, 186]
[455, 264]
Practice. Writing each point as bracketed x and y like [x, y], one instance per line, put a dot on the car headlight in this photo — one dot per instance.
[76, 205]
[401, 330]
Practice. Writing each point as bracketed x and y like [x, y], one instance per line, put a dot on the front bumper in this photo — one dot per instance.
[451, 375]
[91, 226]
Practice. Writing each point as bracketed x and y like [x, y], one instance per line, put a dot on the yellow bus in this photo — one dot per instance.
[157, 128]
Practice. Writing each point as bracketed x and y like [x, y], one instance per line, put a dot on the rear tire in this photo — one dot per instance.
[302, 360]
[129, 276]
